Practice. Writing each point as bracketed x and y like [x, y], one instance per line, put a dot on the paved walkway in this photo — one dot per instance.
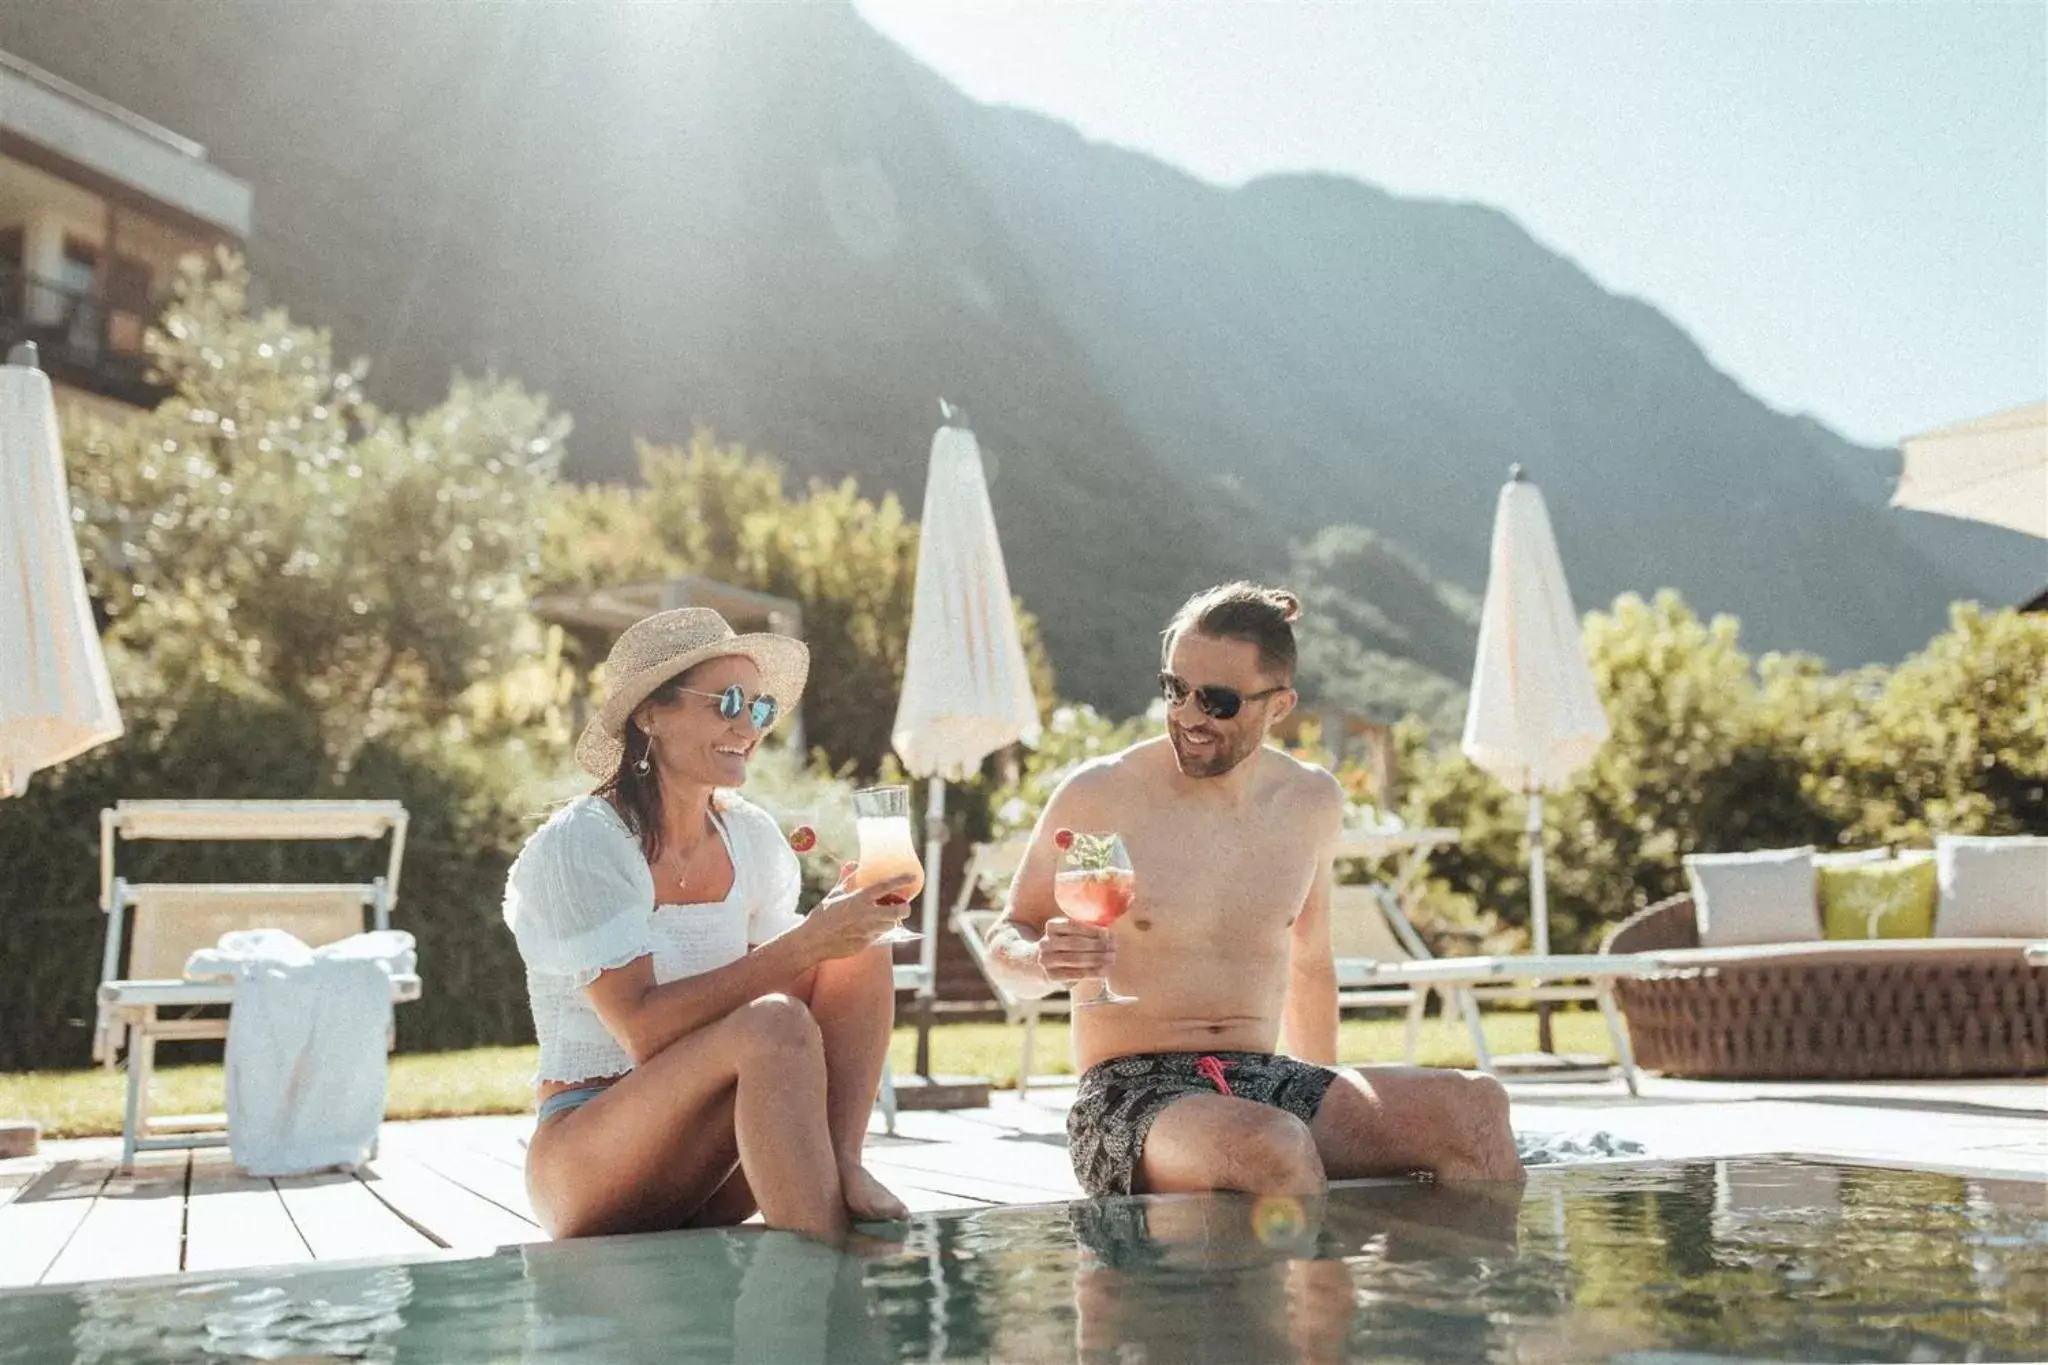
[68, 1216]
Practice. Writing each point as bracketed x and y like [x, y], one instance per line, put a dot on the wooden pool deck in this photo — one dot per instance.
[67, 1215]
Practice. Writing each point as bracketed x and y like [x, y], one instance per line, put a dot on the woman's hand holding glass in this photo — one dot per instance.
[852, 918]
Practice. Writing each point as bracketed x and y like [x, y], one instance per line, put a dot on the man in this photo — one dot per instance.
[1226, 946]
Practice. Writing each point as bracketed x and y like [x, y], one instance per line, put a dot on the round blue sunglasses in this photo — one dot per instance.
[762, 711]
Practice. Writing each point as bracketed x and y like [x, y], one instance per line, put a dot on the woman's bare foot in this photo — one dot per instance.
[867, 1199]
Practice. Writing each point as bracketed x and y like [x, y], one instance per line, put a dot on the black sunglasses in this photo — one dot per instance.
[1217, 703]
[762, 710]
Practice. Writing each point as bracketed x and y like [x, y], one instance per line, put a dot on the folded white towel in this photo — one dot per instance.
[306, 1045]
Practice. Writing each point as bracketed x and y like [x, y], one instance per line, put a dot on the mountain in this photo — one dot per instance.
[769, 220]
[1380, 634]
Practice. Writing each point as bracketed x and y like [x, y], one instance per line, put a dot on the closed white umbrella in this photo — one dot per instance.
[966, 687]
[56, 700]
[1534, 718]
[1994, 469]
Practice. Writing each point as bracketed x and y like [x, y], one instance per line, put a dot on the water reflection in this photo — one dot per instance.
[1237, 1279]
[1194, 1279]
[742, 1295]
[1767, 1259]
[341, 1314]
[1224, 1278]
[1761, 1259]
[1795, 1260]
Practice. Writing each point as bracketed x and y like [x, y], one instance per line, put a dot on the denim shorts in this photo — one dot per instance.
[562, 1101]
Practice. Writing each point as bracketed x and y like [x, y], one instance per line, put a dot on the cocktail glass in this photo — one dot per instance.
[881, 821]
[1096, 885]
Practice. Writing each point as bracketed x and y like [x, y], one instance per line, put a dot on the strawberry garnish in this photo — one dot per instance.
[803, 838]
[1063, 839]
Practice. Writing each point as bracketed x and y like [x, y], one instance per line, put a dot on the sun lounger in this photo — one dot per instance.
[1466, 981]
[153, 928]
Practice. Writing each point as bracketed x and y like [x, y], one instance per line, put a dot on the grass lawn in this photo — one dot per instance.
[497, 1080]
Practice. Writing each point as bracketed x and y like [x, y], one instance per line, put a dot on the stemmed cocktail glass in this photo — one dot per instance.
[881, 821]
[1095, 884]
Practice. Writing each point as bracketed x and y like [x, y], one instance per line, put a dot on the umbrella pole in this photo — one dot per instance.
[928, 946]
[1539, 910]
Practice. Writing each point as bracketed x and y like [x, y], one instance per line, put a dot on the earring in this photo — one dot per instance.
[642, 766]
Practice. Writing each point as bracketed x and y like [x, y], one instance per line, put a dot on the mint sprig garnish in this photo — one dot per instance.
[1089, 852]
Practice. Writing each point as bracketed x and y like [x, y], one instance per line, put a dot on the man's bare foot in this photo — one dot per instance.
[867, 1199]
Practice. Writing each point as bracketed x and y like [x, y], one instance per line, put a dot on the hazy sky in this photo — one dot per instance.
[1845, 203]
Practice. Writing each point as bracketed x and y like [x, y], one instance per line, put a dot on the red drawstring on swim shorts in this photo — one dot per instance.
[1211, 1070]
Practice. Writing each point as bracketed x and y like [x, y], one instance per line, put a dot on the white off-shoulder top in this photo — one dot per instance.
[580, 901]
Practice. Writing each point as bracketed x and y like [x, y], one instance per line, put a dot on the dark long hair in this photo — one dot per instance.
[634, 794]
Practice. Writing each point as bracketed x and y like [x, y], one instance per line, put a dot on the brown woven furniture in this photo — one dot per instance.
[1890, 1009]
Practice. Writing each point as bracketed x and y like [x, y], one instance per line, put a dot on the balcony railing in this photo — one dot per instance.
[85, 339]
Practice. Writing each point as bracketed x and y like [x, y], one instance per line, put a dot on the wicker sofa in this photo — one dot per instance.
[1898, 1008]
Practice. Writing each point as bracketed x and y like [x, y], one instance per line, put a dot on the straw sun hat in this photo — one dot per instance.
[658, 648]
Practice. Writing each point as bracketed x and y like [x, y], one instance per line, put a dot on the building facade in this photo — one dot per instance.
[97, 206]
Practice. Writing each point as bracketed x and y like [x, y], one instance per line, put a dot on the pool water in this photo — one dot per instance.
[1693, 1261]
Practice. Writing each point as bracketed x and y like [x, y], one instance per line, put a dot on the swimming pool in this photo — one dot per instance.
[1758, 1259]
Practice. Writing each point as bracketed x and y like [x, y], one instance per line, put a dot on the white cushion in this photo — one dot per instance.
[1991, 888]
[1762, 897]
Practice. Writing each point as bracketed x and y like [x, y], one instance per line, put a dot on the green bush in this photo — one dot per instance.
[1710, 753]
[267, 527]
[1953, 740]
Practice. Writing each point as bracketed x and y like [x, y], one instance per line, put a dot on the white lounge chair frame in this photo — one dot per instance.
[1467, 981]
[1464, 982]
[154, 927]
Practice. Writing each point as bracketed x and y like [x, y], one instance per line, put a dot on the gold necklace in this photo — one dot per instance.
[681, 869]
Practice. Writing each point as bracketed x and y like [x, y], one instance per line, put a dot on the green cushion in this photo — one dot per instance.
[1891, 899]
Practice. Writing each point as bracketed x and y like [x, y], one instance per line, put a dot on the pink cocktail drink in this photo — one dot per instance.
[1095, 897]
[1094, 884]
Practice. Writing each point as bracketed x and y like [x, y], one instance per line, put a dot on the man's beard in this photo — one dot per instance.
[1209, 760]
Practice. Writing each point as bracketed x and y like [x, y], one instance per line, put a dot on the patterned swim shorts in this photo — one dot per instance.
[1119, 1099]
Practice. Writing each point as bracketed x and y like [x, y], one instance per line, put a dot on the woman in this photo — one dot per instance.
[704, 1050]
